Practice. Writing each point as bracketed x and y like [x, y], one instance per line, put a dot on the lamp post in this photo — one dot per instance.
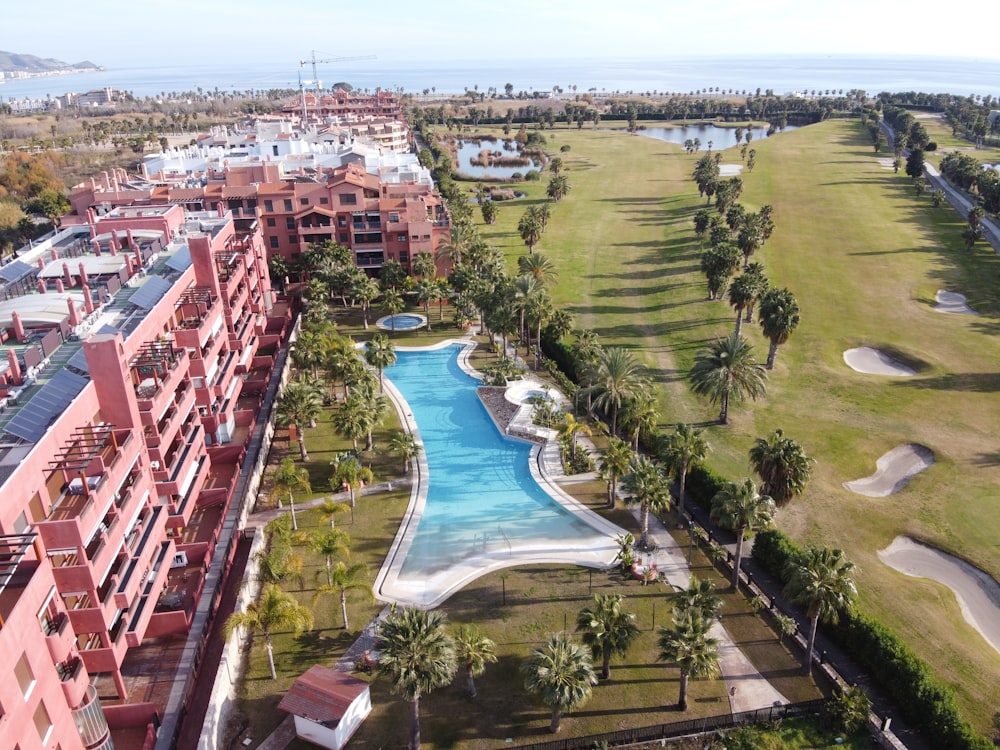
[690, 526]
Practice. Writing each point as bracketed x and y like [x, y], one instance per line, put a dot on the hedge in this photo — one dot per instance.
[904, 677]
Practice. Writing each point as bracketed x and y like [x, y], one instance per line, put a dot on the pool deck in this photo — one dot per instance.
[429, 591]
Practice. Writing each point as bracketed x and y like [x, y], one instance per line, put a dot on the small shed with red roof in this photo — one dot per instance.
[328, 706]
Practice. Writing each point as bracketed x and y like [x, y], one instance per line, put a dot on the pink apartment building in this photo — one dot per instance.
[138, 346]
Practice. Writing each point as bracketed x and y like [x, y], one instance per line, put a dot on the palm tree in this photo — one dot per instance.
[561, 675]
[687, 644]
[699, 596]
[616, 460]
[607, 629]
[328, 545]
[405, 443]
[779, 317]
[288, 478]
[274, 610]
[682, 450]
[373, 406]
[530, 230]
[525, 289]
[299, 405]
[394, 304]
[558, 187]
[380, 353]
[823, 581]
[475, 651]
[742, 291]
[570, 429]
[342, 577]
[742, 509]
[727, 370]
[329, 510]
[783, 467]
[755, 272]
[646, 486]
[457, 245]
[428, 291]
[348, 474]
[418, 655]
[351, 420]
[617, 377]
[365, 290]
[537, 266]
[640, 414]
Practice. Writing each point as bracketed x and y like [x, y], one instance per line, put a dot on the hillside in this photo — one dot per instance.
[14, 62]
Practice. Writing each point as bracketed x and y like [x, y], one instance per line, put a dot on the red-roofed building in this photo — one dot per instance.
[328, 706]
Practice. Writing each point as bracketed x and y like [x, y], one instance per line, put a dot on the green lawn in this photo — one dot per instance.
[864, 257]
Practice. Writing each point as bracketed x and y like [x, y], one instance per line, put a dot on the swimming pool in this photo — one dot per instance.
[401, 322]
[482, 506]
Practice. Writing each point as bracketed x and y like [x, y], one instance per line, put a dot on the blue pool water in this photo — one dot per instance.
[482, 499]
[403, 321]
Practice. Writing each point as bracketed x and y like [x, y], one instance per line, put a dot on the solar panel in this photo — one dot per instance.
[180, 260]
[150, 293]
[34, 418]
[106, 328]
[79, 361]
[15, 270]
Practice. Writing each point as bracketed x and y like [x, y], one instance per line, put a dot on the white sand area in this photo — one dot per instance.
[952, 302]
[978, 594]
[893, 470]
[730, 170]
[873, 362]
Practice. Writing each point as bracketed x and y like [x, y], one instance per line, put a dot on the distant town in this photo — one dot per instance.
[16, 66]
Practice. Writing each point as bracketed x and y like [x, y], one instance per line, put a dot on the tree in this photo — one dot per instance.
[380, 353]
[558, 187]
[742, 509]
[418, 656]
[406, 445]
[329, 544]
[617, 377]
[823, 581]
[640, 416]
[718, 264]
[699, 596]
[352, 420]
[555, 165]
[561, 675]
[348, 475]
[423, 265]
[428, 291]
[330, 509]
[473, 650]
[779, 317]
[365, 290]
[394, 304]
[847, 711]
[687, 644]
[489, 210]
[340, 579]
[782, 465]
[289, 479]
[530, 230]
[647, 487]
[571, 428]
[915, 163]
[299, 405]
[607, 629]
[727, 370]
[274, 610]
[741, 293]
[615, 461]
[537, 266]
[682, 450]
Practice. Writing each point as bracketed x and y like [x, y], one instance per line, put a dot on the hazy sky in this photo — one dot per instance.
[117, 33]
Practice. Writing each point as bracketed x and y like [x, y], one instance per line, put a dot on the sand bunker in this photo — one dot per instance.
[893, 470]
[873, 362]
[730, 170]
[977, 593]
[952, 302]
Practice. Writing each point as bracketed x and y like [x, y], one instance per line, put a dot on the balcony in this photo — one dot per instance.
[74, 679]
[90, 721]
[154, 371]
[140, 616]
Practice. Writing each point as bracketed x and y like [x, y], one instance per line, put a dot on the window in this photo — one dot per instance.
[43, 723]
[268, 206]
[49, 617]
[289, 222]
[341, 221]
[274, 150]
[25, 677]
[323, 201]
[272, 241]
[292, 239]
[21, 523]
[404, 256]
[288, 204]
[272, 223]
[348, 199]
[400, 238]
[393, 218]
[344, 238]
[304, 201]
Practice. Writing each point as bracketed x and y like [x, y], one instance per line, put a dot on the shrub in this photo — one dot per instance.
[773, 550]
[564, 148]
[703, 484]
[532, 175]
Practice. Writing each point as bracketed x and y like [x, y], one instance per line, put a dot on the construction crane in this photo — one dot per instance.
[315, 79]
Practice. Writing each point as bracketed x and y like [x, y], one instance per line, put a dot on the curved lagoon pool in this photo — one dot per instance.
[484, 510]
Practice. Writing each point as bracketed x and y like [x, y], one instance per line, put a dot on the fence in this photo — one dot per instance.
[682, 728]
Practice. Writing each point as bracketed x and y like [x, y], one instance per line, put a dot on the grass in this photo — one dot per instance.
[864, 257]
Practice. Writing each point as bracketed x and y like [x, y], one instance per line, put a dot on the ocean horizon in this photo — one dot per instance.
[783, 74]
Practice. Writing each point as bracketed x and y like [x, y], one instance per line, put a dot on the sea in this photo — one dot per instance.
[781, 74]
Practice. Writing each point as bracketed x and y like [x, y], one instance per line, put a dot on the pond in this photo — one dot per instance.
[468, 150]
[721, 137]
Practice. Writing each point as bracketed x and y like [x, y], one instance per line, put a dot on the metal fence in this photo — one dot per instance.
[681, 728]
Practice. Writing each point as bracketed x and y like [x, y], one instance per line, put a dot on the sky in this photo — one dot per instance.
[117, 33]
